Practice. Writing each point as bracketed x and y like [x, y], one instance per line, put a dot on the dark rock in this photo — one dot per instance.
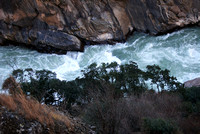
[192, 83]
[57, 39]
[157, 17]
[1, 41]
[13, 123]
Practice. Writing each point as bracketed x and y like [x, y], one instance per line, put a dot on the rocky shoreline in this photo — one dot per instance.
[58, 26]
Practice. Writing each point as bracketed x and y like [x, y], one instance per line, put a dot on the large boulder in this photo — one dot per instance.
[67, 25]
[59, 24]
[192, 83]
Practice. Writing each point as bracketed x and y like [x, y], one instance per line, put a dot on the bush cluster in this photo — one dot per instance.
[159, 126]
[120, 98]
[125, 79]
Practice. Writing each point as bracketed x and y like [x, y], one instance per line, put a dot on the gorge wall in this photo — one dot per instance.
[57, 26]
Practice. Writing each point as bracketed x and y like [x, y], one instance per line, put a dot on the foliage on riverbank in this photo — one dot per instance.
[125, 80]
[119, 98]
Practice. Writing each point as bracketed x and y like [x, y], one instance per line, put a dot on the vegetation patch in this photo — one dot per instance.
[114, 98]
[31, 108]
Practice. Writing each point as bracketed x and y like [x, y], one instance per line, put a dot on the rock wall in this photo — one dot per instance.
[67, 25]
[161, 16]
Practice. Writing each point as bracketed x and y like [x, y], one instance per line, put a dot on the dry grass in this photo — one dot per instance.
[8, 102]
[11, 85]
[29, 107]
[32, 109]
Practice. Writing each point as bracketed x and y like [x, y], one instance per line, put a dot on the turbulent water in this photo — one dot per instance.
[178, 51]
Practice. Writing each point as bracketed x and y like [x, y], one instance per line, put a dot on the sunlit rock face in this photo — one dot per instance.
[67, 25]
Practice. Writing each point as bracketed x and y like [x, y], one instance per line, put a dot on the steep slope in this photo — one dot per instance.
[67, 25]
[21, 114]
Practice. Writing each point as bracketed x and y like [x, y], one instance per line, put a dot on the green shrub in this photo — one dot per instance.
[161, 78]
[192, 95]
[124, 79]
[46, 88]
[158, 126]
[129, 78]
[191, 98]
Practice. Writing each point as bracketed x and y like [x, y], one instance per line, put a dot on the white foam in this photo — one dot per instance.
[6, 92]
[193, 53]
[168, 35]
[110, 58]
[70, 65]
[178, 51]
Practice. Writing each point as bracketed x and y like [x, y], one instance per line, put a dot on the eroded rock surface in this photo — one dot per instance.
[161, 16]
[67, 25]
[192, 83]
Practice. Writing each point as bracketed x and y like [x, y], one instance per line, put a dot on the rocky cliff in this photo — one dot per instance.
[67, 25]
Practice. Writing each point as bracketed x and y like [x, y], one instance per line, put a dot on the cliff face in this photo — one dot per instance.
[160, 16]
[67, 25]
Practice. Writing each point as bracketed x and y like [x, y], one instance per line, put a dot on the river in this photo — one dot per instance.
[178, 51]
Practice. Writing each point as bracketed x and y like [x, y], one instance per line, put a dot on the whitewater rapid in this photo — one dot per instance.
[178, 51]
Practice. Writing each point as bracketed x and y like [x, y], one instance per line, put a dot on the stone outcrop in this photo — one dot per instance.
[67, 25]
[192, 83]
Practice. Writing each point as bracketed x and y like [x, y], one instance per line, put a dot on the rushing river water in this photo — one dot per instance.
[178, 51]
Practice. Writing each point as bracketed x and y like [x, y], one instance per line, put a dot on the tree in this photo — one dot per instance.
[161, 78]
